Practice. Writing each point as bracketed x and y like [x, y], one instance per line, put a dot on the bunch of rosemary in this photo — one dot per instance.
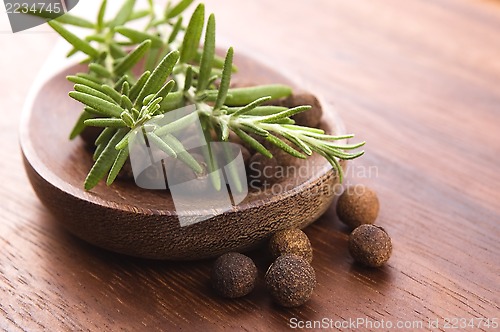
[177, 71]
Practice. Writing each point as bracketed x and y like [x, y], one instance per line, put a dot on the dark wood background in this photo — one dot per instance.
[418, 80]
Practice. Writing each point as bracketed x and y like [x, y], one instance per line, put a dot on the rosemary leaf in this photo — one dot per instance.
[189, 78]
[104, 107]
[233, 173]
[224, 129]
[100, 15]
[105, 161]
[125, 88]
[263, 110]
[92, 111]
[159, 76]
[297, 141]
[77, 43]
[138, 36]
[132, 58]
[123, 14]
[89, 77]
[306, 129]
[124, 143]
[225, 80]
[72, 52]
[175, 30]
[162, 145]
[138, 14]
[285, 114]
[126, 103]
[98, 151]
[137, 87]
[208, 55]
[93, 92]
[335, 164]
[84, 81]
[285, 147]
[178, 9]
[99, 70]
[105, 136]
[165, 90]
[253, 128]
[284, 121]
[174, 100]
[115, 95]
[193, 35]
[153, 106]
[152, 58]
[208, 155]
[346, 146]
[128, 119]
[80, 125]
[244, 96]
[254, 144]
[147, 99]
[121, 81]
[116, 50]
[182, 154]
[97, 38]
[329, 137]
[218, 61]
[67, 18]
[177, 125]
[117, 166]
[106, 123]
[250, 107]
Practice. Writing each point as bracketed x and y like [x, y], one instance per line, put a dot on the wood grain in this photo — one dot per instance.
[419, 81]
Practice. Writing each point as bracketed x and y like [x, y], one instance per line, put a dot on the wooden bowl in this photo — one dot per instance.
[127, 219]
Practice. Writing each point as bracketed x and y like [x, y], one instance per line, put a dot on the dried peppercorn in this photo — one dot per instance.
[290, 280]
[311, 118]
[370, 245]
[234, 275]
[358, 205]
[291, 241]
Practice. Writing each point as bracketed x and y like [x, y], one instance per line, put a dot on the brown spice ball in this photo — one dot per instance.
[310, 118]
[291, 241]
[358, 205]
[290, 280]
[234, 275]
[370, 245]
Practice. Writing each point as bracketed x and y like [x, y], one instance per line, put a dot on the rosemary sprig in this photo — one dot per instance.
[176, 71]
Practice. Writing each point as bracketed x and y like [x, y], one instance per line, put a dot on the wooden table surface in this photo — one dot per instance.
[418, 80]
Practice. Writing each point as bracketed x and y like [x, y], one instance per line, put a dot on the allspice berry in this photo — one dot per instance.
[358, 205]
[234, 275]
[291, 241]
[370, 245]
[290, 280]
[310, 118]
